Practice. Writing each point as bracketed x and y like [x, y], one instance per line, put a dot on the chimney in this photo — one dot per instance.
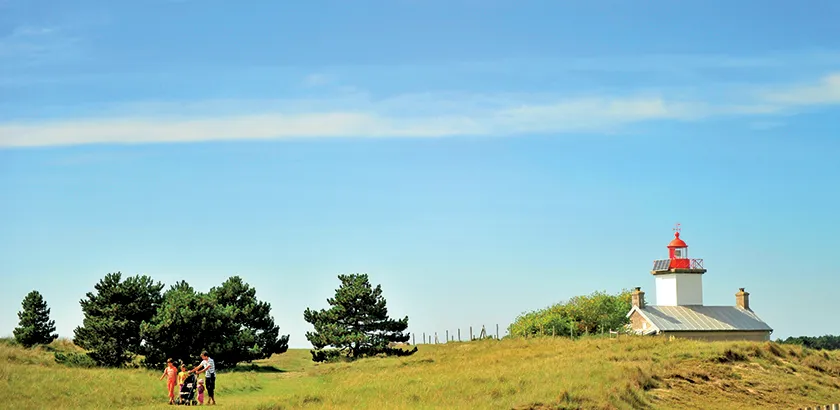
[742, 299]
[637, 298]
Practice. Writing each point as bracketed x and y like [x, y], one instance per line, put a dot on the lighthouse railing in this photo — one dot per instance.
[666, 264]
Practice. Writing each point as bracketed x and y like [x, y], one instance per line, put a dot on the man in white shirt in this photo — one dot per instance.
[209, 366]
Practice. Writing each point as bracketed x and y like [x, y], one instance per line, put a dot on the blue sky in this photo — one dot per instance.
[477, 159]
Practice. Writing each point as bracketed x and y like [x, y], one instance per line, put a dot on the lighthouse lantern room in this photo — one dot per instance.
[679, 280]
[678, 251]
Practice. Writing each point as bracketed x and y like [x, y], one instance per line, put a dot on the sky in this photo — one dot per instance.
[478, 159]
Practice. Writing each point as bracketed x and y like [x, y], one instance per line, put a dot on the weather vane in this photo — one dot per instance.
[677, 228]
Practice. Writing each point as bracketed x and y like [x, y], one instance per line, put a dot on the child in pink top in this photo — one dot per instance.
[200, 392]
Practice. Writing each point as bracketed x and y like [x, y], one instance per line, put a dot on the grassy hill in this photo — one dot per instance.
[624, 373]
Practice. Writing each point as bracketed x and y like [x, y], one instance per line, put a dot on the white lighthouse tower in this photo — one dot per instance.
[679, 280]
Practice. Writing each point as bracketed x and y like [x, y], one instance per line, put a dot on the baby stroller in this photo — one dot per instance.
[188, 391]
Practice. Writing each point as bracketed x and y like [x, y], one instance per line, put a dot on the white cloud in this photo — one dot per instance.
[573, 115]
[412, 115]
[827, 91]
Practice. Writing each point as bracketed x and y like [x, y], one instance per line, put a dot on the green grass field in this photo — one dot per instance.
[625, 373]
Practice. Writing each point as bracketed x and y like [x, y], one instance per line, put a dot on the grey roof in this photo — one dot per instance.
[702, 318]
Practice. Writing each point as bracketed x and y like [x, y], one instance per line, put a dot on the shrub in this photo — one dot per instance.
[326, 355]
[596, 313]
[74, 359]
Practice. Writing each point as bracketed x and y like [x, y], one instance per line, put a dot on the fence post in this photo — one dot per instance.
[459, 334]
[447, 336]
[497, 331]
[471, 337]
[414, 342]
[424, 337]
[436, 339]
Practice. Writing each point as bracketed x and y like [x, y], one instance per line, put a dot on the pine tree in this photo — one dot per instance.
[357, 324]
[35, 324]
[113, 314]
[229, 321]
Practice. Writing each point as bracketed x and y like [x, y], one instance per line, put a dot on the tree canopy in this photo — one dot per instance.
[356, 324]
[228, 321]
[595, 313]
[132, 317]
[35, 326]
[113, 314]
[827, 342]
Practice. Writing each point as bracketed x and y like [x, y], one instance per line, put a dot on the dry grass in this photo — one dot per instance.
[629, 373]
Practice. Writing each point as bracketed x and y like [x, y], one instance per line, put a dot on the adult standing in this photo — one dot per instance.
[208, 366]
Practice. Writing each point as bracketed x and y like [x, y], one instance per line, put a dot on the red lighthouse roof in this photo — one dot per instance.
[677, 242]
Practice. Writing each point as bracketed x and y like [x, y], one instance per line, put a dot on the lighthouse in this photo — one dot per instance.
[679, 280]
[679, 309]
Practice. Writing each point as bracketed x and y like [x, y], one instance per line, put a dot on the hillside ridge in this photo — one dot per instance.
[537, 373]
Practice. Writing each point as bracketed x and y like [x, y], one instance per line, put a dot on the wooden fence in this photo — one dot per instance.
[455, 336]
[541, 332]
[482, 333]
[835, 406]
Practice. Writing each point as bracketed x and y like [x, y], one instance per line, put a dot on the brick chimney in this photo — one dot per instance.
[638, 298]
[742, 299]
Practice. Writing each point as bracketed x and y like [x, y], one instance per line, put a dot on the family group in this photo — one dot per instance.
[191, 389]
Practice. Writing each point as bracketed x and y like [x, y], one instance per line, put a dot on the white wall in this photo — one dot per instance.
[679, 289]
[666, 290]
[689, 289]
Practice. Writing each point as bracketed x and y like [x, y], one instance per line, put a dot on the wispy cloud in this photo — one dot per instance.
[591, 114]
[766, 125]
[27, 45]
[316, 79]
[414, 115]
[30, 31]
[827, 91]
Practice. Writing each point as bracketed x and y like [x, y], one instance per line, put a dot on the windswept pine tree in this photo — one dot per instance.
[356, 324]
[113, 314]
[35, 324]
